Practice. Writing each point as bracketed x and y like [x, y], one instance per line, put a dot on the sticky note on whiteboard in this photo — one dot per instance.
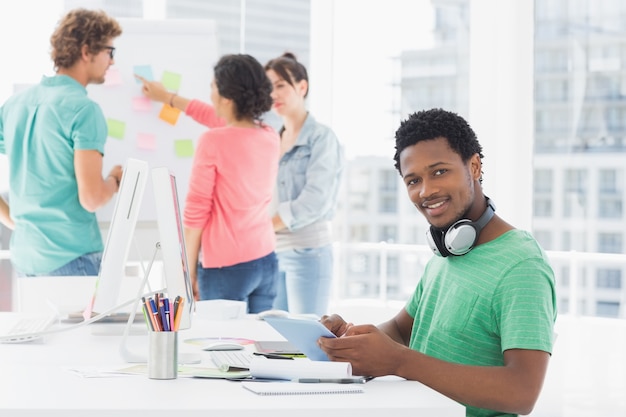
[144, 71]
[183, 148]
[112, 77]
[169, 114]
[142, 104]
[171, 80]
[146, 141]
[117, 128]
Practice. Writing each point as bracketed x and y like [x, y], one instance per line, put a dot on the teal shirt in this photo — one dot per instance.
[40, 129]
[470, 309]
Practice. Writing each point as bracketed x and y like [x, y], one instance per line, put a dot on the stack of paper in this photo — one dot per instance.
[261, 367]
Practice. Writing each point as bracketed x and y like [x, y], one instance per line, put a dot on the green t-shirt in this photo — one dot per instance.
[40, 129]
[470, 309]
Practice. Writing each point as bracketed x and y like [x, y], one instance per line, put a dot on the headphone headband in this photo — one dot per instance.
[487, 214]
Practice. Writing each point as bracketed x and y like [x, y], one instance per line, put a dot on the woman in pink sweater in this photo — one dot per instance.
[226, 214]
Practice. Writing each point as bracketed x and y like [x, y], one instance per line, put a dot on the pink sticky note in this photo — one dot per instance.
[113, 77]
[142, 104]
[146, 141]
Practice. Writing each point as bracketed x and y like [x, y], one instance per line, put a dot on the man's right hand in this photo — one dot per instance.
[117, 172]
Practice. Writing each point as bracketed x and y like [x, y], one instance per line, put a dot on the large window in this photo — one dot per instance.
[607, 309]
[610, 242]
[421, 54]
[388, 233]
[610, 193]
[609, 278]
[576, 191]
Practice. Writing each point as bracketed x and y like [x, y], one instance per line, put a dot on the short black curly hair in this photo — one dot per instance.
[437, 123]
[241, 78]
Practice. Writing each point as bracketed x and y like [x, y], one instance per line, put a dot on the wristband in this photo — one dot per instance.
[172, 99]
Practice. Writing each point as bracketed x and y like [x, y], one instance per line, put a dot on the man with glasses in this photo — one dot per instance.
[111, 50]
[54, 136]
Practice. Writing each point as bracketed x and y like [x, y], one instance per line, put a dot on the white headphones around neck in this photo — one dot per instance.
[461, 237]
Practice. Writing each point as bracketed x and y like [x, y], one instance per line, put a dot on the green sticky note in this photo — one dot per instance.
[116, 128]
[183, 148]
[171, 80]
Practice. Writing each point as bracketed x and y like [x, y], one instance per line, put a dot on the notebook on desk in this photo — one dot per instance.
[24, 327]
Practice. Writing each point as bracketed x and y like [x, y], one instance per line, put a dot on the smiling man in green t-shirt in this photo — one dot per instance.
[479, 327]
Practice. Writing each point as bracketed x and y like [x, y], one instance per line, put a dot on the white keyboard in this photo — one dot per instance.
[26, 329]
[231, 360]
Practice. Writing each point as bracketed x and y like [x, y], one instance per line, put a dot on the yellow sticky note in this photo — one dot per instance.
[183, 148]
[116, 128]
[171, 80]
[169, 114]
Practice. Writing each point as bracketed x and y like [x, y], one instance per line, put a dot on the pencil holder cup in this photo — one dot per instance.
[163, 355]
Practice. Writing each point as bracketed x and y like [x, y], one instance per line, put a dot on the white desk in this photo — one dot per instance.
[36, 381]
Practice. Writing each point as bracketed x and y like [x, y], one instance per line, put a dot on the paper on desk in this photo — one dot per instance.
[189, 371]
[142, 369]
[91, 372]
[261, 367]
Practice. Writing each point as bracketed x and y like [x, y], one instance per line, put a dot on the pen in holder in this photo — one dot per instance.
[163, 355]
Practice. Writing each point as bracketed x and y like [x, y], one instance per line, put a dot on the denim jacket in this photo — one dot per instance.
[309, 176]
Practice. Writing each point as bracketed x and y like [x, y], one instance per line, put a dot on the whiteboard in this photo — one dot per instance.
[180, 53]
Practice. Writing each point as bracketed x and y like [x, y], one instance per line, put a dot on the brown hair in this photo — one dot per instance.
[289, 69]
[81, 27]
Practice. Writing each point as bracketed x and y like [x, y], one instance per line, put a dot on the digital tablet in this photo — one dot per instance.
[302, 334]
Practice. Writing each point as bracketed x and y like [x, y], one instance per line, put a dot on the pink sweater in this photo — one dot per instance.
[230, 188]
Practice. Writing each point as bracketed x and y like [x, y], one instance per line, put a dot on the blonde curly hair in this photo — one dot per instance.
[81, 27]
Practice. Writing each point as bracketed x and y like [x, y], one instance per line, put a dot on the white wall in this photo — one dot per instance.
[25, 29]
[501, 102]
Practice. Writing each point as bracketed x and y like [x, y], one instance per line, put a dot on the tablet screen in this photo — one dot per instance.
[302, 334]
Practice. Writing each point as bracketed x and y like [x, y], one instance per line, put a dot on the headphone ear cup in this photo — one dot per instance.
[460, 237]
[435, 241]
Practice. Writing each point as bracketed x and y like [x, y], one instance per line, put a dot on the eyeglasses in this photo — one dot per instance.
[111, 50]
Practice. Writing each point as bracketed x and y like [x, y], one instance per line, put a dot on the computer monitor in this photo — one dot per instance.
[121, 230]
[172, 241]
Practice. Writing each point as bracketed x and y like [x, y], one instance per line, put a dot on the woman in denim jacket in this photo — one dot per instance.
[305, 198]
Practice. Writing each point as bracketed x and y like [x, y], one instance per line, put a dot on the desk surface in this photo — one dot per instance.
[37, 380]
